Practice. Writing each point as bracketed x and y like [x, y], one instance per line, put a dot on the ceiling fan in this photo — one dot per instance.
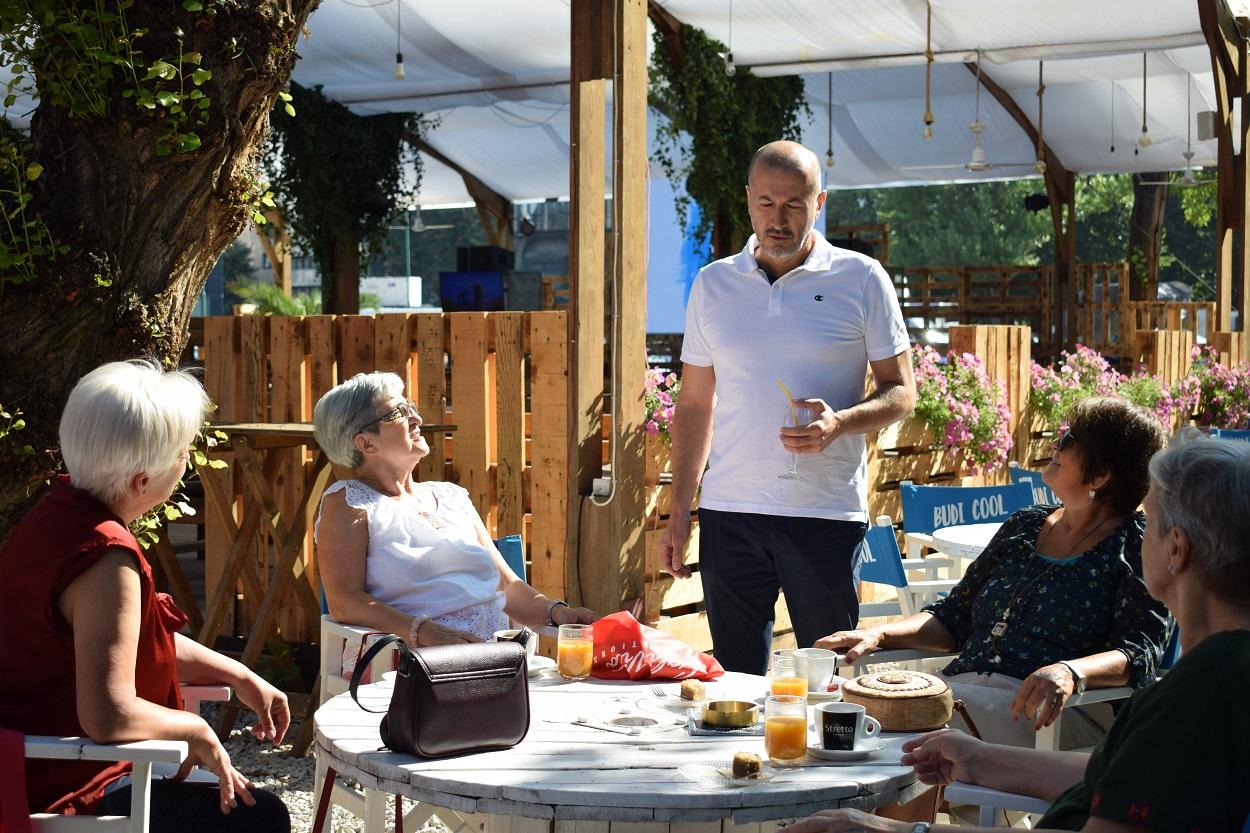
[416, 224]
[979, 161]
[1187, 178]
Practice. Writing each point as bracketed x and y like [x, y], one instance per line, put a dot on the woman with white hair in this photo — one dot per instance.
[1174, 759]
[90, 648]
[402, 556]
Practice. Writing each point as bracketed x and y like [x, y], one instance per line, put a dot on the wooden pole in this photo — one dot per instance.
[606, 543]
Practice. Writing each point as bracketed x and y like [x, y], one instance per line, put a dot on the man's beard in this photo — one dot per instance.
[781, 253]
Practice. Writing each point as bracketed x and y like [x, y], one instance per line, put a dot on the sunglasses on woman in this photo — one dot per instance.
[404, 410]
[1064, 440]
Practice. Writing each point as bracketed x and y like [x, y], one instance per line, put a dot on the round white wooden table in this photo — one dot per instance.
[965, 540]
[569, 778]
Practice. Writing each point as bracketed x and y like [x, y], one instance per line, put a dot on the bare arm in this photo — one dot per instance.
[921, 630]
[892, 398]
[198, 665]
[522, 602]
[1042, 694]
[692, 442]
[102, 607]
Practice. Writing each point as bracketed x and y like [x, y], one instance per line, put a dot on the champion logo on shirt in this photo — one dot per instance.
[820, 297]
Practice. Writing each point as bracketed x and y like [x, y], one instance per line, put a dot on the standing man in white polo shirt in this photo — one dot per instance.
[788, 307]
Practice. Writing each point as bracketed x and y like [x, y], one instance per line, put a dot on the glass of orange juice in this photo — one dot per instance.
[789, 674]
[575, 651]
[785, 728]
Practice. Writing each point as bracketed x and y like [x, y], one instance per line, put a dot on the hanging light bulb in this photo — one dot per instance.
[730, 69]
[399, 55]
[829, 150]
[928, 71]
[1144, 140]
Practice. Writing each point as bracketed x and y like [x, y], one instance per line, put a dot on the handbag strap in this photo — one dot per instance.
[359, 670]
[962, 711]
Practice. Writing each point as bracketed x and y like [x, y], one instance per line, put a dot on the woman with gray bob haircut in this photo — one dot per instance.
[1175, 758]
[407, 557]
[77, 596]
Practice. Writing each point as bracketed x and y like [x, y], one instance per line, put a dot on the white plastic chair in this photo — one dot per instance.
[148, 758]
[990, 801]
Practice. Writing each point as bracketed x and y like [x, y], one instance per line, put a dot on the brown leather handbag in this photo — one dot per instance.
[454, 699]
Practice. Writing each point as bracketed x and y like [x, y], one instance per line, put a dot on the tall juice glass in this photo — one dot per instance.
[575, 651]
[788, 674]
[785, 728]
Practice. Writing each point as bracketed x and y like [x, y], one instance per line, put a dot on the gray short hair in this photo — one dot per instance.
[1202, 485]
[128, 418]
[339, 413]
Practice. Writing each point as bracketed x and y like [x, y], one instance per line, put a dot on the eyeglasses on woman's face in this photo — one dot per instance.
[404, 410]
[1063, 441]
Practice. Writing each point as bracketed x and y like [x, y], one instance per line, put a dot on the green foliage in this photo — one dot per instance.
[339, 174]
[25, 240]
[271, 300]
[278, 665]
[77, 55]
[147, 527]
[236, 263]
[10, 424]
[727, 118]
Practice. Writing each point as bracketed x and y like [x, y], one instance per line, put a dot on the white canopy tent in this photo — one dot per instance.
[495, 73]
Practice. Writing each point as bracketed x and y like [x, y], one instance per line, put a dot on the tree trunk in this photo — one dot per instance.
[143, 230]
[1145, 235]
[341, 293]
[723, 244]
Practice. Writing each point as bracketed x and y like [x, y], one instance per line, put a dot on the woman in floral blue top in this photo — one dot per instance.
[1056, 602]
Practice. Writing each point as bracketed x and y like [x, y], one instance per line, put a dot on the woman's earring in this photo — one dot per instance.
[1093, 495]
[1171, 567]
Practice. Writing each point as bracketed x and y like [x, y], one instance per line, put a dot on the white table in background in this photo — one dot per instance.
[966, 541]
[567, 778]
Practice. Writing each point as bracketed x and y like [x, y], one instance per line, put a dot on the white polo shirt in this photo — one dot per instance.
[816, 328]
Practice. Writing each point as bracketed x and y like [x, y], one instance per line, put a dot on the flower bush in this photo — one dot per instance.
[1083, 373]
[1217, 396]
[660, 398]
[962, 408]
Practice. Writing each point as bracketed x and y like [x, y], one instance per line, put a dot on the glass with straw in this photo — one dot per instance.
[793, 473]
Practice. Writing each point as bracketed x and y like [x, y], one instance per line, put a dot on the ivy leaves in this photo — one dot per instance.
[715, 123]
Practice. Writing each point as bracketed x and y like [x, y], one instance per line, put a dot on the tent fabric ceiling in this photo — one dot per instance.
[494, 73]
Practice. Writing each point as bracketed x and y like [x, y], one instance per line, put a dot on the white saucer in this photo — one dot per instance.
[869, 746]
[540, 664]
[824, 696]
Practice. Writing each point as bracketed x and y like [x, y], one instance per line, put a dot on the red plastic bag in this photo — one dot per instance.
[626, 649]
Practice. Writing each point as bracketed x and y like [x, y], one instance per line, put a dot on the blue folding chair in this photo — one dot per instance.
[1041, 492]
[1231, 434]
[880, 562]
[926, 508]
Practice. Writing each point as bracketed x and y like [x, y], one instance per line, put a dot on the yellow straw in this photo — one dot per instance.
[794, 417]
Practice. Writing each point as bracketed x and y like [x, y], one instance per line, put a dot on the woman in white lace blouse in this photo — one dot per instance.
[405, 557]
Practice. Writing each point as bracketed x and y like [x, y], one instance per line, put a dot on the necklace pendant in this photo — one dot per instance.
[999, 628]
[996, 659]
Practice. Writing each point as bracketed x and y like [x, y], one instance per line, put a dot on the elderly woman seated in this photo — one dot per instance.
[1056, 602]
[1175, 758]
[406, 557]
[90, 648]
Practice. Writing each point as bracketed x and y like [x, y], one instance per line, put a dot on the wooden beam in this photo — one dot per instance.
[1061, 189]
[493, 209]
[1228, 48]
[669, 28]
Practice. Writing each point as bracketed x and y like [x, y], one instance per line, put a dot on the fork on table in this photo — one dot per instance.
[658, 691]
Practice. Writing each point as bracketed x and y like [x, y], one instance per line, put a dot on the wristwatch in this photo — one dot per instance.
[1077, 677]
[551, 607]
[920, 827]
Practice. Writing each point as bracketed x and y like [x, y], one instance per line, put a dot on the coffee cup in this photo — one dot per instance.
[821, 667]
[531, 647]
[845, 726]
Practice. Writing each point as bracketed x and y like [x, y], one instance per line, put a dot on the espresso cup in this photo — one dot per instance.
[531, 647]
[821, 665]
[845, 726]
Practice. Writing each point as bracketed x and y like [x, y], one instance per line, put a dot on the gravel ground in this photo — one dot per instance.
[290, 778]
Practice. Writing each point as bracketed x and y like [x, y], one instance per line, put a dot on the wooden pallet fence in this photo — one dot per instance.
[1234, 347]
[501, 378]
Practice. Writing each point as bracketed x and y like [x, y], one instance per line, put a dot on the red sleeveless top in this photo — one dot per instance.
[51, 546]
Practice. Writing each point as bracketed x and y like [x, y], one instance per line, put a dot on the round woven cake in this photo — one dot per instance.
[904, 701]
